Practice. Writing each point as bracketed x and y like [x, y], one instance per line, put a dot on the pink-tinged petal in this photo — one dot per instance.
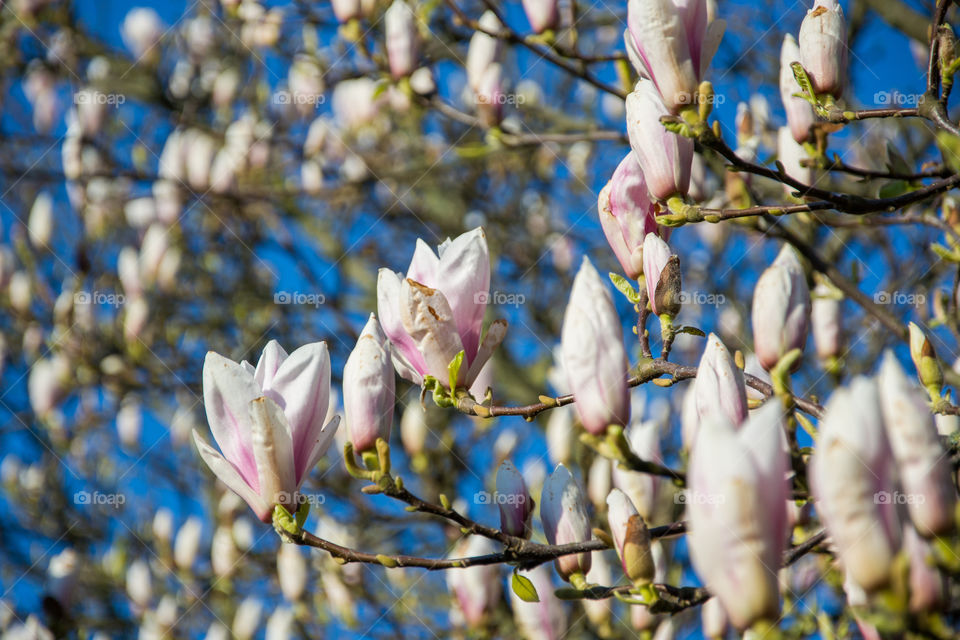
[711, 42]
[318, 448]
[368, 388]
[388, 310]
[719, 383]
[249, 368]
[301, 387]
[404, 369]
[630, 202]
[428, 319]
[656, 254]
[273, 450]
[665, 158]
[695, 22]
[270, 360]
[464, 279]
[425, 265]
[230, 476]
[228, 389]
[800, 116]
[660, 36]
[613, 232]
[496, 332]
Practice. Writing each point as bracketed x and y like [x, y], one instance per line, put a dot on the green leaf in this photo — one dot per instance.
[453, 369]
[893, 189]
[623, 286]
[693, 331]
[524, 588]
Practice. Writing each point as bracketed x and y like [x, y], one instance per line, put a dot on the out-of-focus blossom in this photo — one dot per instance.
[823, 47]
[714, 619]
[543, 620]
[643, 436]
[627, 214]
[925, 360]
[292, 571]
[671, 42]
[139, 585]
[186, 545]
[476, 589]
[790, 154]
[268, 421]
[594, 358]
[800, 116]
[781, 309]
[489, 95]
[853, 477]
[561, 435]
[924, 467]
[368, 388]
[129, 422]
[40, 223]
[630, 538]
[403, 39]
[737, 480]
[484, 49]
[825, 322]
[436, 311]
[141, 31]
[542, 14]
[665, 157]
[563, 511]
[247, 618]
[346, 10]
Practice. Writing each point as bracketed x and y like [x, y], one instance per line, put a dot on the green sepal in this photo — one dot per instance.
[623, 286]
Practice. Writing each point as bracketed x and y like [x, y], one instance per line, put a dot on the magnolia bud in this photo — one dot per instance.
[642, 488]
[560, 435]
[247, 618]
[564, 515]
[281, 625]
[630, 537]
[594, 358]
[853, 478]
[714, 619]
[800, 116]
[413, 429]
[187, 543]
[142, 31]
[823, 47]
[719, 384]
[927, 584]
[665, 157]
[791, 154]
[516, 505]
[223, 552]
[825, 321]
[925, 360]
[40, 224]
[661, 269]
[163, 526]
[402, 38]
[484, 49]
[129, 422]
[599, 481]
[291, 571]
[627, 214]
[139, 587]
[781, 309]
[542, 14]
[923, 465]
[368, 388]
[476, 589]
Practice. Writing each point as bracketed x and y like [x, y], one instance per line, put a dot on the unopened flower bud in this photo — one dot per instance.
[665, 157]
[516, 505]
[563, 511]
[925, 360]
[542, 14]
[630, 537]
[661, 269]
[368, 388]
[823, 47]
[781, 309]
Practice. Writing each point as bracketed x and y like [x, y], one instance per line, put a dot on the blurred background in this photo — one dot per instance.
[178, 177]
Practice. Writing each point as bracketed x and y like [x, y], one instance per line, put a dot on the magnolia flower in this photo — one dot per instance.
[368, 388]
[186, 544]
[823, 47]
[268, 422]
[542, 14]
[545, 619]
[41, 221]
[800, 116]
[923, 465]
[719, 384]
[630, 538]
[476, 589]
[489, 95]
[927, 584]
[825, 322]
[925, 360]
[781, 309]
[627, 214]
[738, 512]
[665, 158]
[516, 505]
[292, 571]
[483, 50]
[346, 10]
[139, 583]
[594, 358]
[853, 478]
[141, 31]
[661, 268]
[641, 488]
[400, 26]
[671, 42]
[564, 515]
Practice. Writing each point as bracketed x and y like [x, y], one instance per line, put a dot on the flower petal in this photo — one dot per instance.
[270, 360]
[230, 476]
[228, 389]
[496, 332]
[428, 319]
[319, 447]
[464, 279]
[273, 450]
[388, 310]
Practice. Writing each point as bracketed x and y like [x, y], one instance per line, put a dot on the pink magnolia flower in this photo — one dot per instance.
[563, 512]
[627, 214]
[823, 47]
[403, 39]
[737, 510]
[853, 478]
[656, 255]
[542, 14]
[516, 505]
[268, 422]
[476, 589]
[665, 158]
[368, 388]
[671, 42]
[781, 309]
[719, 384]
[437, 310]
[594, 358]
